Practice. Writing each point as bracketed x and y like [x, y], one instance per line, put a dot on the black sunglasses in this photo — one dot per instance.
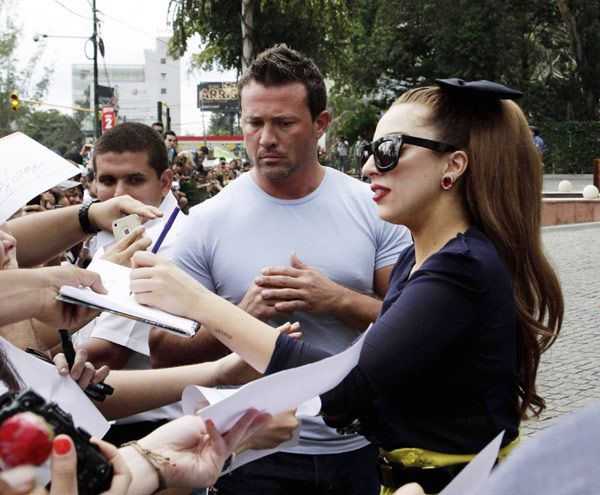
[386, 150]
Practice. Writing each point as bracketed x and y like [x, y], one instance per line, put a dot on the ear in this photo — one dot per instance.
[166, 179]
[458, 161]
[321, 122]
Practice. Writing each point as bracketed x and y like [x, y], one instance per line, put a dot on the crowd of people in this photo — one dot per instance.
[452, 275]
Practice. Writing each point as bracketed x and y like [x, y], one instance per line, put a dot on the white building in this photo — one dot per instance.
[137, 87]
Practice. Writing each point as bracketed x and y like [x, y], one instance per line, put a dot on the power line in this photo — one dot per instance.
[71, 11]
[130, 27]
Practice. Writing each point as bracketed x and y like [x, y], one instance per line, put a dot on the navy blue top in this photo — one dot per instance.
[438, 369]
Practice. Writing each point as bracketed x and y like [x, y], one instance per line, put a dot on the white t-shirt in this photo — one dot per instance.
[130, 333]
[336, 229]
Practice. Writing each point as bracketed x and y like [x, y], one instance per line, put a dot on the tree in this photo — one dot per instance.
[582, 21]
[54, 130]
[398, 44]
[13, 78]
[222, 124]
[317, 28]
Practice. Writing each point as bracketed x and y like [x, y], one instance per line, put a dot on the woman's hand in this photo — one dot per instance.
[157, 282]
[280, 429]
[122, 252]
[196, 451]
[102, 215]
[83, 372]
[64, 467]
[56, 313]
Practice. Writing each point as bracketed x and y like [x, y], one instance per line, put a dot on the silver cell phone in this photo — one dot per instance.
[123, 226]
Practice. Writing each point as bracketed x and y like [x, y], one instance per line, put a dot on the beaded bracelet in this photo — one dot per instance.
[154, 459]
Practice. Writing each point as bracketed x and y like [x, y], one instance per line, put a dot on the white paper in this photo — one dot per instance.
[283, 390]
[194, 395]
[476, 472]
[44, 379]
[115, 279]
[27, 169]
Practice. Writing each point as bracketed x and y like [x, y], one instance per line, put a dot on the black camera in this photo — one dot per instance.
[94, 472]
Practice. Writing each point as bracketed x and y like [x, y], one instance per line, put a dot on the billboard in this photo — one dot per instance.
[218, 97]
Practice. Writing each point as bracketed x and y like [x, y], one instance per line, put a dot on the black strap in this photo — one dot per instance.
[433, 480]
[84, 220]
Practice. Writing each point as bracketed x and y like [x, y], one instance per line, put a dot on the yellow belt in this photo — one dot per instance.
[414, 457]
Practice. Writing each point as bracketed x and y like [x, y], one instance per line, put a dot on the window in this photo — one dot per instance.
[163, 91]
[163, 60]
[163, 75]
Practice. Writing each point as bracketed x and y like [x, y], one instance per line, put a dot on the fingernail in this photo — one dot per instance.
[211, 423]
[64, 369]
[257, 280]
[62, 446]
[266, 294]
[264, 271]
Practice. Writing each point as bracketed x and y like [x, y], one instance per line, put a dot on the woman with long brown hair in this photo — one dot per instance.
[452, 358]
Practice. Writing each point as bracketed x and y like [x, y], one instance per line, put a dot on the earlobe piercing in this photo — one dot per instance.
[447, 181]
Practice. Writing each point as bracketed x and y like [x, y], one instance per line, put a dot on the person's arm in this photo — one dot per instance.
[38, 235]
[102, 352]
[22, 335]
[31, 294]
[167, 349]
[301, 287]
[194, 452]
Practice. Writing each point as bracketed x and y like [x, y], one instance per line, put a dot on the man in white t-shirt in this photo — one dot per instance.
[344, 255]
[130, 159]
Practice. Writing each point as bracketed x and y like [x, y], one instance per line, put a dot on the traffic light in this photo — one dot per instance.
[14, 101]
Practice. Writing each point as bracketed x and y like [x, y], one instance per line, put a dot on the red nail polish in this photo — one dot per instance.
[210, 422]
[62, 446]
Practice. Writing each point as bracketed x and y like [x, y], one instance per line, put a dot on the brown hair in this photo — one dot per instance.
[8, 374]
[134, 137]
[502, 189]
[281, 65]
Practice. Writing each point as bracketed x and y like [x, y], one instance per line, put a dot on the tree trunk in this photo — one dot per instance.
[589, 86]
[248, 40]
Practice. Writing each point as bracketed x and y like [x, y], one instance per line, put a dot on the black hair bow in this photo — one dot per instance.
[478, 89]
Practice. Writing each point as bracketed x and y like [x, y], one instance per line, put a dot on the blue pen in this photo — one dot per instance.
[165, 230]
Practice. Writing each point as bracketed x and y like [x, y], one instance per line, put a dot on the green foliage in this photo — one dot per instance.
[221, 125]
[54, 130]
[317, 28]
[571, 146]
[13, 77]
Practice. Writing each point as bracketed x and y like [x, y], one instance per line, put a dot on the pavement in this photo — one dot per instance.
[569, 372]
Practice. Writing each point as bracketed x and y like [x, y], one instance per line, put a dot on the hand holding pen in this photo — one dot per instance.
[96, 391]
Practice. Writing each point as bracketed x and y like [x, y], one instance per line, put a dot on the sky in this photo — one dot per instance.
[127, 27]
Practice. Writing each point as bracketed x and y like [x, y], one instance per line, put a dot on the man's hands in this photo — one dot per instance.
[122, 252]
[281, 290]
[103, 214]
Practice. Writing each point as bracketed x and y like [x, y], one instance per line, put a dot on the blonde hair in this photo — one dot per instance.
[502, 189]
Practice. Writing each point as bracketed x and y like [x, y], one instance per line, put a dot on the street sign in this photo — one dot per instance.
[109, 119]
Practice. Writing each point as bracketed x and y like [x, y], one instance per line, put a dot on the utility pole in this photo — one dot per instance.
[96, 95]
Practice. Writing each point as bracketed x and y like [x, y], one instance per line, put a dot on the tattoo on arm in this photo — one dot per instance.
[224, 334]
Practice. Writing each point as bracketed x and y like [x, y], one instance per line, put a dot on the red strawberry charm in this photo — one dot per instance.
[25, 438]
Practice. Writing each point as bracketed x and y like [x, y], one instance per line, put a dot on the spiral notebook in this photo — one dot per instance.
[121, 302]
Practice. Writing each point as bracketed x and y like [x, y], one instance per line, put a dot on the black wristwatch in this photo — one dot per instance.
[84, 219]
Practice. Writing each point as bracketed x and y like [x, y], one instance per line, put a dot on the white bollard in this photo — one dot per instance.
[590, 192]
[565, 186]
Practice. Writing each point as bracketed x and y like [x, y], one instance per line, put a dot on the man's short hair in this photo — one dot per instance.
[281, 65]
[159, 124]
[204, 149]
[169, 133]
[134, 137]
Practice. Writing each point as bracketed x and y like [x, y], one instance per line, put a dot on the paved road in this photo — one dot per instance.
[569, 374]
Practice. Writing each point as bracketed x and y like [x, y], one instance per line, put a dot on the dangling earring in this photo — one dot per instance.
[447, 181]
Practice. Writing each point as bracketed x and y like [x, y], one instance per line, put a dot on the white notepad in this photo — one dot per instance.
[121, 302]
